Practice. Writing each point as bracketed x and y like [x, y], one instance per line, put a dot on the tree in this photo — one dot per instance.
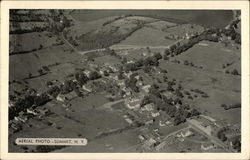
[221, 135]
[94, 75]
[146, 69]
[172, 48]
[236, 144]
[40, 71]
[130, 67]
[235, 72]
[146, 100]
[158, 56]
[30, 75]
[167, 52]
[165, 57]
[194, 112]
[186, 62]
[178, 93]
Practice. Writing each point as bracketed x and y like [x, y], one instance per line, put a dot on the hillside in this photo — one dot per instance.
[208, 18]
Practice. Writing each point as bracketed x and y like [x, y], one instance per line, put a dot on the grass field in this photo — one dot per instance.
[84, 27]
[31, 41]
[147, 37]
[210, 55]
[21, 65]
[122, 142]
[81, 119]
[107, 59]
[221, 88]
[181, 30]
[208, 18]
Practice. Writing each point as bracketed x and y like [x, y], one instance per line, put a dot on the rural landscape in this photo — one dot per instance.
[129, 81]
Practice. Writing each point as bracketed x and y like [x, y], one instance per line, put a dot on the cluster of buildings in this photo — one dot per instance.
[16, 124]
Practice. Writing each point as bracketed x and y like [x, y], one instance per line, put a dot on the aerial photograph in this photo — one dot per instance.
[125, 80]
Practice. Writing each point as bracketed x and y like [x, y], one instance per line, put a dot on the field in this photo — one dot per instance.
[210, 55]
[27, 42]
[147, 37]
[207, 18]
[81, 28]
[80, 120]
[221, 88]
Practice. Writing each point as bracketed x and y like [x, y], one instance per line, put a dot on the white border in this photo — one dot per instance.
[242, 5]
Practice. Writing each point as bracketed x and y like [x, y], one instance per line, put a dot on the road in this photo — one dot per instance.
[213, 139]
[175, 132]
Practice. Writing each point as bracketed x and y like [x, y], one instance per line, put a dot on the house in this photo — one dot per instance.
[146, 88]
[133, 103]
[168, 122]
[86, 88]
[201, 126]
[11, 104]
[181, 139]
[70, 95]
[187, 36]
[161, 124]
[207, 146]
[60, 98]
[113, 68]
[128, 74]
[16, 127]
[137, 77]
[149, 122]
[149, 142]
[149, 107]
[139, 83]
[128, 120]
[114, 77]
[186, 133]
[141, 137]
[21, 118]
[155, 114]
[127, 92]
[43, 111]
[87, 72]
[177, 106]
[160, 145]
[31, 111]
[121, 83]
[131, 61]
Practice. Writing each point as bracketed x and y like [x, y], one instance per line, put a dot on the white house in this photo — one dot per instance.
[149, 107]
[146, 88]
[88, 89]
[155, 114]
[128, 120]
[60, 98]
[87, 72]
[141, 137]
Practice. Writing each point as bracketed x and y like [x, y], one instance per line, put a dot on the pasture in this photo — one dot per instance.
[210, 55]
[221, 88]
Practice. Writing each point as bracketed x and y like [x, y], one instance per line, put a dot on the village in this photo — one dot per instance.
[139, 110]
[137, 88]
